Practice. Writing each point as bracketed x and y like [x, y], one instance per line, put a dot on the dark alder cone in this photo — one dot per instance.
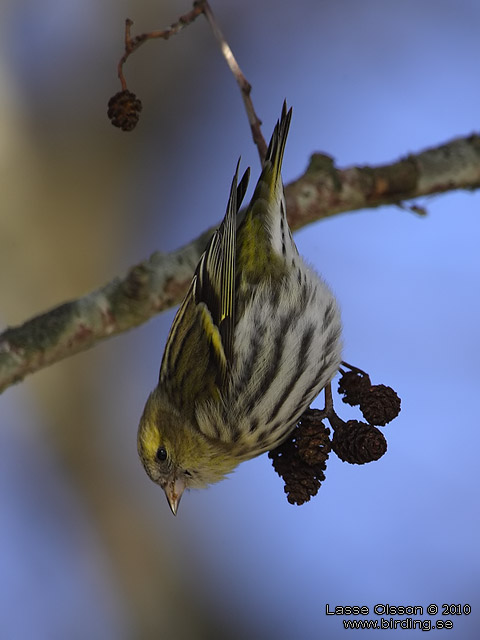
[352, 385]
[380, 404]
[312, 438]
[124, 110]
[301, 460]
[358, 443]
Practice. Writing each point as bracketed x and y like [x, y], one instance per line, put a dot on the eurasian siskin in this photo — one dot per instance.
[255, 340]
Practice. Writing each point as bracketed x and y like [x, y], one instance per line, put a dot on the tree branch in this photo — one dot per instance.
[161, 281]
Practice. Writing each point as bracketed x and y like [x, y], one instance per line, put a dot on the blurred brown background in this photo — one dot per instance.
[73, 216]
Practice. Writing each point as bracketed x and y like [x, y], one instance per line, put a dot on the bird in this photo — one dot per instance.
[255, 340]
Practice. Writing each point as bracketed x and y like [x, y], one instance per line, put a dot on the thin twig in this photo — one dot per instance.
[353, 368]
[328, 411]
[199, 7]
[132, 44]
[244, 86]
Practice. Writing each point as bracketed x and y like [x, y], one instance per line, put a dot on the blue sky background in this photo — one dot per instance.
[369, 82]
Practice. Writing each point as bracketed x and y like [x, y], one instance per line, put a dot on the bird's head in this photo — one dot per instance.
[175, 454]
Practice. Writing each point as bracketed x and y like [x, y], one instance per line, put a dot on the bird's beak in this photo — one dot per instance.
[174, 490]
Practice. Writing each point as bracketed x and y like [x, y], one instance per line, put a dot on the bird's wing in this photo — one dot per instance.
[215, 275]
[200, 342]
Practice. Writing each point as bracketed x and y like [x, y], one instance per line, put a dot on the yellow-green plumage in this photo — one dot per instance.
[255, 340]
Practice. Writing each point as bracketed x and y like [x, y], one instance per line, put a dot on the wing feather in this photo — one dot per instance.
[215, 283]
[202, 334]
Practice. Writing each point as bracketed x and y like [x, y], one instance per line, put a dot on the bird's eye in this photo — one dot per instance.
[161, 454]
